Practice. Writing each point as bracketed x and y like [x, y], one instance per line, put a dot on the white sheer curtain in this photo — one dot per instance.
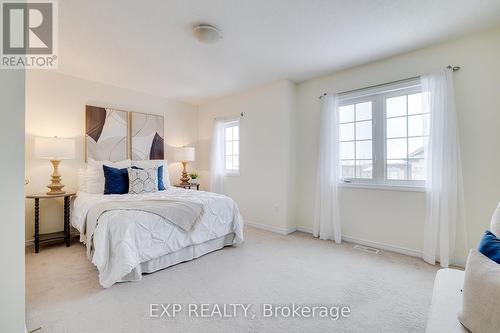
[327, 217]
[217, 158]
[444, 173]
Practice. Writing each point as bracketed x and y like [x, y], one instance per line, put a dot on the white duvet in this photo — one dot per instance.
[124, 239]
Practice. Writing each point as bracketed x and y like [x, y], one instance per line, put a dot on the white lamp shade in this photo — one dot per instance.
[184, 154]
[54, 148]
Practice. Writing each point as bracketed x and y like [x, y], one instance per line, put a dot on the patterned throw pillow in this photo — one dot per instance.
[142, 181]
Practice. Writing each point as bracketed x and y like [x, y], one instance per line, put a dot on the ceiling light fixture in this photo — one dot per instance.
[207, 33]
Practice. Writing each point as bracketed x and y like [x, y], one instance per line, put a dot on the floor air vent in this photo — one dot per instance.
[366, 249]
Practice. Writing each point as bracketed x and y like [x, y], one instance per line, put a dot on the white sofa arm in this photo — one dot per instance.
[446, 302]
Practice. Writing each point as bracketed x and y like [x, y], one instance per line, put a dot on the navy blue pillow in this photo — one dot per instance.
[115, 180]
[161, 186]
[490, 246]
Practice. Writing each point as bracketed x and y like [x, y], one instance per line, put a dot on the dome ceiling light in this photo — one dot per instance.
[207, 33]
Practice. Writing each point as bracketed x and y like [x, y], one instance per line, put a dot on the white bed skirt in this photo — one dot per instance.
[182, 255]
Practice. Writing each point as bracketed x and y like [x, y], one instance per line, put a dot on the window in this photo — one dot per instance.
[406, 133]
[232, 147]
[382, 135]
[356, 140]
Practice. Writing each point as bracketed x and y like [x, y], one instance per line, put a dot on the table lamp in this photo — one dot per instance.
[184, 155]
[55, 149]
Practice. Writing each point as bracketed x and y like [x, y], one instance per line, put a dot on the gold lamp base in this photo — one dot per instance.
[55, 185]
[185, 178]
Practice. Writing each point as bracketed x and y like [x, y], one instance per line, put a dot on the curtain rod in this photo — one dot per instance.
[242, 114]
[453, 68]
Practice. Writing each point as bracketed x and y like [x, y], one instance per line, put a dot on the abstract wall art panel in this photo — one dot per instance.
[147, 136]
[106, 134]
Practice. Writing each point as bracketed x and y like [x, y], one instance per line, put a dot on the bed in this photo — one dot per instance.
[127, 243]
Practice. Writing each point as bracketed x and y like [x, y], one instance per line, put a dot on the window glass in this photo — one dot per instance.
[396, 106]
[406, 131]
[396, 127]
[356, 134]
[415, 103]
[383, 136]
[232, 146]
[364, 111]
[346, 113]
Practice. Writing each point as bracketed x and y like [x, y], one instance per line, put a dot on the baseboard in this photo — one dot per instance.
[383, 246]
[278, 230]
[378, 245]
[304, 229]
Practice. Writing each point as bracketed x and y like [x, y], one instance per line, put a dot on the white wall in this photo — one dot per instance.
[55, 105]
[12, 101]
[381, 217]
[265, 184]
[393, 217]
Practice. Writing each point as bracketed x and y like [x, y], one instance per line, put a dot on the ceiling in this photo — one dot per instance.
[147, 45]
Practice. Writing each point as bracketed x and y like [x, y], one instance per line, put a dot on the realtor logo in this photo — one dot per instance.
[29, 34]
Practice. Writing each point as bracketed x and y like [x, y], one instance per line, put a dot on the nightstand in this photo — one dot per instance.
[188, 186]
[65, 235]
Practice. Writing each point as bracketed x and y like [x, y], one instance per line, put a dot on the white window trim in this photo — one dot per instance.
[377, 96]
[231, 123]
[388, 187]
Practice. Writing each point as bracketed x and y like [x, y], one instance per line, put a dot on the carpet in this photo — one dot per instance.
[385, 293]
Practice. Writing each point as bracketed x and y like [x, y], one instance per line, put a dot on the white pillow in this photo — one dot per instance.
[93, 181]
[95, 173]
[155, 163]
[142, 180]
[481, 300]
[495, 222]
[82, 180]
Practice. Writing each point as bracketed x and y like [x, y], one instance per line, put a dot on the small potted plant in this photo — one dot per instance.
[194, 178]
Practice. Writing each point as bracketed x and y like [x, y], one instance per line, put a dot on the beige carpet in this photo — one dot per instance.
[386, 292]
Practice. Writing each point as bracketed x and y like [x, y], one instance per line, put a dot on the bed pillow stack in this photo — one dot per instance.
[106, 177]
[94, 176]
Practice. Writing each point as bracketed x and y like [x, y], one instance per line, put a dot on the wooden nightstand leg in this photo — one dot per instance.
[37, 225]
[66, 222]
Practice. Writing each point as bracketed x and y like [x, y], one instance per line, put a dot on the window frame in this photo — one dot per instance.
[378, 97]
[227, 124]
[398, 182]
[359, 100]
